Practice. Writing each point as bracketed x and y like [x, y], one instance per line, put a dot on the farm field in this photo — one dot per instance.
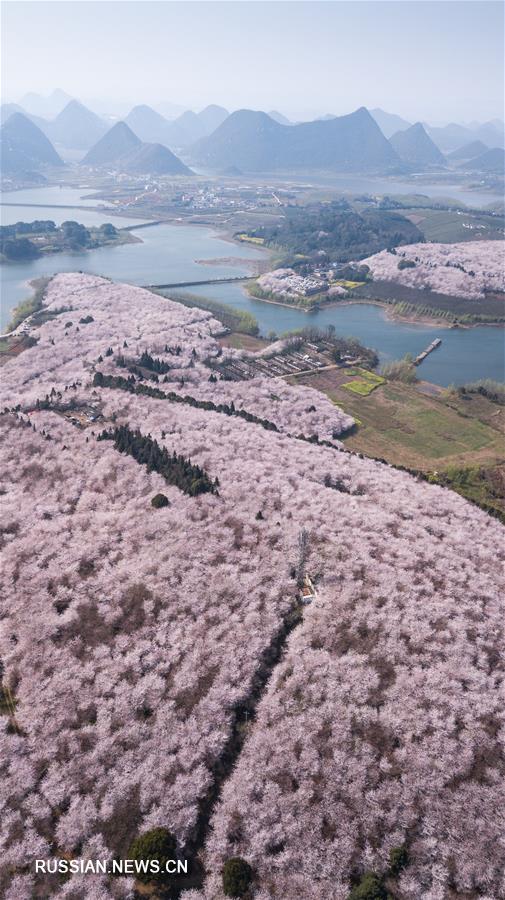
[407, 427]
[458, 441]
[448, 226]
[364, 383]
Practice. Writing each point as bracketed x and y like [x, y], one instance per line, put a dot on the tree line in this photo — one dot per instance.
[117, 382]
[174, 468]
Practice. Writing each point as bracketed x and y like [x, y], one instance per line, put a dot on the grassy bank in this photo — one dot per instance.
[31, 304]
[237, 320]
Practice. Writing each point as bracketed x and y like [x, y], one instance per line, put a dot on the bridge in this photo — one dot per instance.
[184, 284]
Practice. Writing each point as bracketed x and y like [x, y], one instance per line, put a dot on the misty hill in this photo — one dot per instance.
[187, 129]
[231, 171]
[154, 159]
[491, 162]
[278, 117]
[491, 133]
[415, 147]
[45, 107]
[254, 141]
[115, 143]
[453, 136]
[389, 123]
[468, 151]
[8, 109]
[121, 147]
[24, 146]
[170, 110]
[76, 126]
[212, 117]
[149, 125]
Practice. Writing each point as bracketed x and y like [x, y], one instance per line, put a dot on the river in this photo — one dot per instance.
[168, 253]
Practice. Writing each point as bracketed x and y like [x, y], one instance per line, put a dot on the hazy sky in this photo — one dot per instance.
[424, 59]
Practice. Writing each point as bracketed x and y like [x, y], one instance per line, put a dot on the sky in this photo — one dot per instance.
[428, 60]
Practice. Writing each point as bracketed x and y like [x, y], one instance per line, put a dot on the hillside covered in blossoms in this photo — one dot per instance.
[469, 269]
[161, 530]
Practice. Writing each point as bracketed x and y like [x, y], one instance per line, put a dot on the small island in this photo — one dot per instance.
[30, 240]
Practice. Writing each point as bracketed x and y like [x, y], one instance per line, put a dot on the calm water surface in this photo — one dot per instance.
[169, 253]
[465, 354]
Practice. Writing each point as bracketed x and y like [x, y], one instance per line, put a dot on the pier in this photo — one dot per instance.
[433, 346]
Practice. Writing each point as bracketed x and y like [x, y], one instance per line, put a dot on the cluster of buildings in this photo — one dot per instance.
[288, 283]
[164, 195]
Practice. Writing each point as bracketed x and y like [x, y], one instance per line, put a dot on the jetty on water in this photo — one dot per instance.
[433, 346]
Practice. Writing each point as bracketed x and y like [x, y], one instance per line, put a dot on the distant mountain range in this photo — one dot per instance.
[448, 137]
[416, 148]
[45, 107]
[389, 123]
[8, 109]
[468, 151]
[24, 147]
[253, 141]
[149, 125]
[75, 126]
[120, 147]
[491, 162]
[246, 140]
[453, 136]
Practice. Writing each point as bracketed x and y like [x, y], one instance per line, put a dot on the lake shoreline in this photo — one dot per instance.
[125, 238]
[168, 254]
[390, 314]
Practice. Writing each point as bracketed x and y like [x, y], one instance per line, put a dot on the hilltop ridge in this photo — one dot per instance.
[252, 140]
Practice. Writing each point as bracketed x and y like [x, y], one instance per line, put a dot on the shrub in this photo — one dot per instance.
[158, 844]
[398, 859]
[237, 876]
[406, 264]
[401, 370]
[370, 887]
[159, 500]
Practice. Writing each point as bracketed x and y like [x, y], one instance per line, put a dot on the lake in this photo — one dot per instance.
[168, 253]
[63, 209]
[466, 354]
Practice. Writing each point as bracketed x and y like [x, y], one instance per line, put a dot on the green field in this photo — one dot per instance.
[446, 226]
[419, 426]
[410, 428]
[364, 383]
[457, 441]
